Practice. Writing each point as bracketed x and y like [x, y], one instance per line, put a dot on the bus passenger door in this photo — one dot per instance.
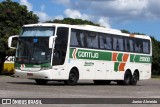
[100, 70]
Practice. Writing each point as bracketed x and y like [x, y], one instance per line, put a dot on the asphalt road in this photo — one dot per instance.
[23, 88]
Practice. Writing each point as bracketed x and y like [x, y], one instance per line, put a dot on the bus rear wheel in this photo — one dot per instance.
[41, 81]
[73, 78]
[135, 78]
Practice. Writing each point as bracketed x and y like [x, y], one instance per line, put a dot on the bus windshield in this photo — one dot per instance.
[33, 45]
[37, 31]
[33, 50]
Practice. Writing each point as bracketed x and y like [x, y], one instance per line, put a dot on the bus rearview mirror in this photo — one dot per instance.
[10, 41]
[52, 41]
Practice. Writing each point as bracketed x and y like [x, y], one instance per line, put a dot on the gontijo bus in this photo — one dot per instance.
[70, 53]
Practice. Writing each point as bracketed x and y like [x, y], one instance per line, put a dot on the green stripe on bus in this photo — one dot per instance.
[90, 55]
[116, 65]
[107, 56]
[132, 58]
[140, 58]
[120, 55]
[71, 52]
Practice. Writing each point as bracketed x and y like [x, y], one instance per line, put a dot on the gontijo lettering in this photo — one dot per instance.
[88, 55]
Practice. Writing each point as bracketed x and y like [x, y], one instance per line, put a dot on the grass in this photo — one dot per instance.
[155, 76]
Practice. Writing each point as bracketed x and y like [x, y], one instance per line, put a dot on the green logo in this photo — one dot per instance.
[89, 55]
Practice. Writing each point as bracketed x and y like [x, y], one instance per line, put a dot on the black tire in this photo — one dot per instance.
[41, 81]
[127, 78]
[101, 82]
[135, 78]
[73, 78]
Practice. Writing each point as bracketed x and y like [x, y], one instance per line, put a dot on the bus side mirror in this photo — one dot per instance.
[52, 41]
[10, 41]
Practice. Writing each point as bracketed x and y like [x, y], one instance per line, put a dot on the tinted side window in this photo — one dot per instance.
[138, 45]
[92, 39]
[74, 41]
[118, 43]
[77, 38]
[129, 45]
[146, 46]
[105, 41]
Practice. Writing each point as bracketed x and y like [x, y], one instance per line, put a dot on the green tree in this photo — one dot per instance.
[12, 17]
[73, 22]
[155, 56]
[125, 31]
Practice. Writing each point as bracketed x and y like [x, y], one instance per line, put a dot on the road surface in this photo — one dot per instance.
[23, 88]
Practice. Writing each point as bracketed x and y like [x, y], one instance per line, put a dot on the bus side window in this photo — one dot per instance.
[118, 43]
[138, 45]
[115, 43]
[146, 47]
[129, 44]
[89, 40]
[77, 38]
[92, 40]
[95, 41]
[74, 41]
[108, 42]
[105, 41]
[102, 41]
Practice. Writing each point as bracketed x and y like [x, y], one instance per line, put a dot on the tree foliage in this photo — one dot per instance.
[125, 31]
[155, 56]
[73, 22]
[12, 17]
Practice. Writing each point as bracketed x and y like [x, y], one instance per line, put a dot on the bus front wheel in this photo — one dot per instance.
[73, 78]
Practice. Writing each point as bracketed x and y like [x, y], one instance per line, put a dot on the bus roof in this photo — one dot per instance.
[90, 28]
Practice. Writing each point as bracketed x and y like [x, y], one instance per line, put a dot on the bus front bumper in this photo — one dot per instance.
[45, 74]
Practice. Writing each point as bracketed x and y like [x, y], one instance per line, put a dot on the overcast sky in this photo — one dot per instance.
[134, 15]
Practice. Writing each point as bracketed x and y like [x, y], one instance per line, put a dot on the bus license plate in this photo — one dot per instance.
[29, 74]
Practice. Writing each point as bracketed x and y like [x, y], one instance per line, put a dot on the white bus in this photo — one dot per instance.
[61, 52]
